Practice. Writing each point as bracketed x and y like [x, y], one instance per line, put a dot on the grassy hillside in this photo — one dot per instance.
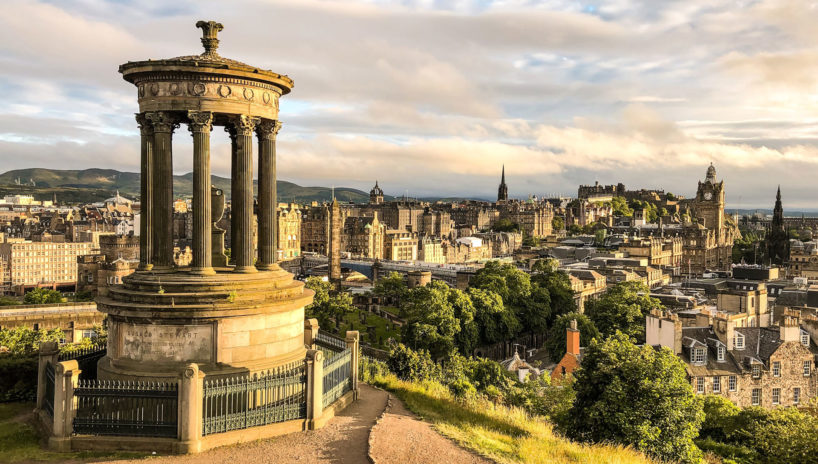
[89, 185]
[506, 435]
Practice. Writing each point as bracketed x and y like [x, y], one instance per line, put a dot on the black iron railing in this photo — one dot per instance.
[329, 342]
[48, 400]
[337, 376]
[110, 407]
[249, 401]
[87, 359]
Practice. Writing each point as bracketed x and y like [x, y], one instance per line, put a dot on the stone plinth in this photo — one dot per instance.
[228, 323]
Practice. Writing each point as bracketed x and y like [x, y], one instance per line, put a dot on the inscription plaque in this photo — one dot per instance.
[176, 343]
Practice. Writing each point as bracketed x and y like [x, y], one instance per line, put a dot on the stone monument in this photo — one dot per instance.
[229, 320]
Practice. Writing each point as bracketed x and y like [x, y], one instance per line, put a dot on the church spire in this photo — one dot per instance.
[502, 191]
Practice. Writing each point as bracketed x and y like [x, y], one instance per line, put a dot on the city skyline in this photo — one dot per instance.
[433, 97]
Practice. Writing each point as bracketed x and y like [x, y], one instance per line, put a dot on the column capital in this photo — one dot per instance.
[244, 124]
[200, 121]
[268, 129]
[163, 121]
[145, 126]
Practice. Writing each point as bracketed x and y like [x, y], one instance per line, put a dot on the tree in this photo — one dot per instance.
[512, 284]
[430, 320]
[327, 306]
[622, 308]
[43, 296]
[495, 321]
[392, 288]
[412, 365]
[468, 337]
[620, 207]
[22, 340]
[557, 224]
[637, 396]
[574, 229]
[559, 289]
[506, 225]
[555, 343]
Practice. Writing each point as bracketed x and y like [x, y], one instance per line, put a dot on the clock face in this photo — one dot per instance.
[708, 196]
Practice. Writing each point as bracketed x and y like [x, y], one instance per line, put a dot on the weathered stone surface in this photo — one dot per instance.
[179, 343]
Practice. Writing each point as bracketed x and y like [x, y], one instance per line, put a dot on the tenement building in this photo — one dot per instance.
[28, 265]
[751, 366]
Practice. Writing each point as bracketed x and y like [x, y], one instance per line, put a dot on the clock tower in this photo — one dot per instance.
[708, 206]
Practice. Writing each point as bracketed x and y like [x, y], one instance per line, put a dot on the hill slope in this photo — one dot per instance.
[89, 185]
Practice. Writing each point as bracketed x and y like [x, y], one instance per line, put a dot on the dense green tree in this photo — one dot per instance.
[495, 321]
[623, 308]
[557, 224]
[535, 314]
[637, 396]
[412, 365]
[392, 288]
[22, 340]
[558, 285]
[327, 306]
[468, 337]
[555, 343]
[43, 296]
[430, 320]
[512, 284]
[506, 225]
[749, 248]
[620, 207]
[574, 229]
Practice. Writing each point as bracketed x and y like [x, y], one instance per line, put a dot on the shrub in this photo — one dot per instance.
[43, 296]
[412, 365]
[18, 378]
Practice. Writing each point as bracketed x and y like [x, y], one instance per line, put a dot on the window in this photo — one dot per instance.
[698, 355]
[738, 341]
[756, 371]
[720, 352]
[700, 384]
[731, 383]
[807, 368]
[805, 338]
[776, 395]
[777, 369]
[756, 396]
[796, 395]
[716, 384]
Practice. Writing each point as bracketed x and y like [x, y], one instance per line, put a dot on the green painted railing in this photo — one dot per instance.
[48, 400]
[337, 376]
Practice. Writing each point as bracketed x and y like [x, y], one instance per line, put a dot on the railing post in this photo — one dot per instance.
[315, 387]
[353, 344]
[310, 332]
[49, 352]
[66, 376]
[191, 389]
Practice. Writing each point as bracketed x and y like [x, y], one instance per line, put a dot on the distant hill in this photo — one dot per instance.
[90, 185]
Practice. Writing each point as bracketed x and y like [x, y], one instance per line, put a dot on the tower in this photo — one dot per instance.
[502, 191]
[778, 243]
[376, 195]
[708, 206]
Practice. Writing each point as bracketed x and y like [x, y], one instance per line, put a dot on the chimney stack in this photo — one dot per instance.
[790, 328]
[572, 344]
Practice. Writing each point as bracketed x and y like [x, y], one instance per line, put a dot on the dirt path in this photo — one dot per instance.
[401, 438]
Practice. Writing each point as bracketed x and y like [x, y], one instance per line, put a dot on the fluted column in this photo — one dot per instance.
[164, 123]
[146, 194]
[267, 201]
[242, 195]
[200, 124]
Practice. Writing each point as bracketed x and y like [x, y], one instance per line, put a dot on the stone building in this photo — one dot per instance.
[502, 190]
[288, 243]
[751, 366]
[664, 253]
[596, 190]
[803, 259]
[29, 264]
[709, 244]
[76, 320]
[746, 302]
[118, 257]
[431, 250]
[467, 250]
[502, 243]
[376, 195]
[777, 238]
[573, 354]
[400, 245]
[363, 237]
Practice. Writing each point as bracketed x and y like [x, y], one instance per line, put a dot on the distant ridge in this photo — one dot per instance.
[90, 185]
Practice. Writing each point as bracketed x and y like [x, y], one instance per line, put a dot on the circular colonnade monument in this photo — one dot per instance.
[229, 318]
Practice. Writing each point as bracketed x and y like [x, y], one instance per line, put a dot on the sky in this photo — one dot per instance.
[433, 97]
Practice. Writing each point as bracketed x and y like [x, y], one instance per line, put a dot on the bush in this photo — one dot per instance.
[412, 365]
[23, 341]
[370, 369]
[18, 378]
[43, 296]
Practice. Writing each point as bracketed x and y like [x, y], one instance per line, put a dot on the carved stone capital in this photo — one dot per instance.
[145, 126]
[244, 124]
[267, 129]
[200, 121]
[163, 121]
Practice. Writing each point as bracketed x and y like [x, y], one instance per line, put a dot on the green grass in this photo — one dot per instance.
[383, 328]
[504, 434]
[20, 442]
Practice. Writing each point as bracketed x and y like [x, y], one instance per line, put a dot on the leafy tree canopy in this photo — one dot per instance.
[555, 343]
[43, 296]
[622, 308]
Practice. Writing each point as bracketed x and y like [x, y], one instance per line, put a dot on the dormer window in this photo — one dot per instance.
[805, 338]
[698, 355]
[738, 341]
[756, 371]
[720, 353]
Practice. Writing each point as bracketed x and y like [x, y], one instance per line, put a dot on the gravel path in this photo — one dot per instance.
[401, 438]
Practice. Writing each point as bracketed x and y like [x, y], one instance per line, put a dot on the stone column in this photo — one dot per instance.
[267, 201]
[310, 333]
[146, 194]
[353, 339]
[315, 387]
[164, 124]
[66, 376]
[49, 353]
[242, 195]
[191, 388]
[200, 125]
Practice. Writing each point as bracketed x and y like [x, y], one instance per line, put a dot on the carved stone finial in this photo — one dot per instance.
[210, 39]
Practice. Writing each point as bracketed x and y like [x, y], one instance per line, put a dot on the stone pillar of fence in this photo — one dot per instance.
[353, 343]
[191, 389]
[66, 375]
[49, 353]
[315, 387]
[310, 332]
